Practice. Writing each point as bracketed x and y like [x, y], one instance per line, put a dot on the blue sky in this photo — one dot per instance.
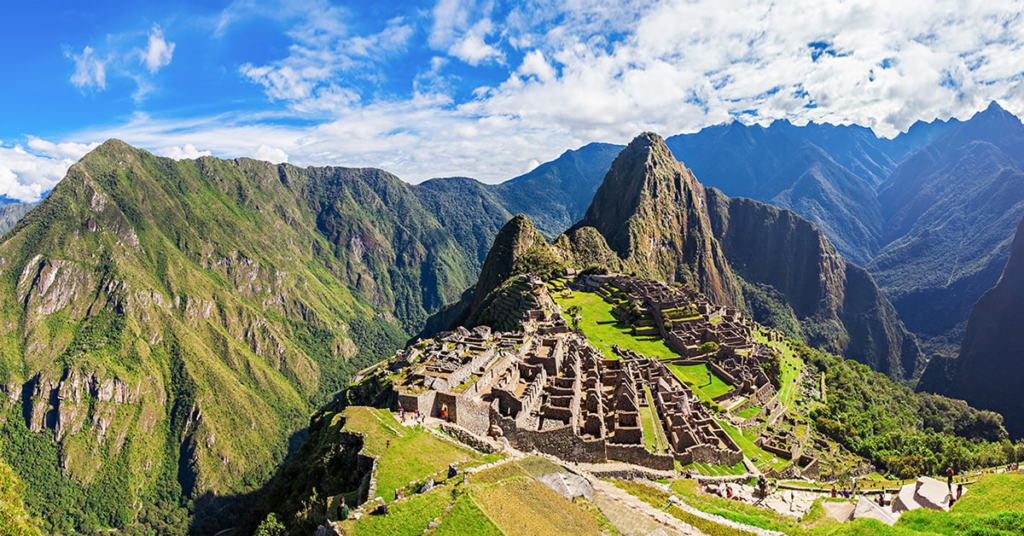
[482, 89]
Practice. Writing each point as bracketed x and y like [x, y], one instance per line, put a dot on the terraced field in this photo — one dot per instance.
[603, 330]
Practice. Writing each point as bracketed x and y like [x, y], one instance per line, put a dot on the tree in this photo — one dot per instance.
[270, 527]
[708, 347]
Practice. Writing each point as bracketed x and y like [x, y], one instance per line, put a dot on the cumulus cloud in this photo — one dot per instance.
[26, 176]
[603, 70]
[270, 154]
[188, 152]
[471, 47]
[159, 51]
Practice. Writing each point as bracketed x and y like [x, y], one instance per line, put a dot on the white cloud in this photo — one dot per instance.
[66, 151]
[159, 51]
[325, 51]
[188, 152]
[90, 71]
[471, 47]
[270, 154]
[25, 176]
[121, 55]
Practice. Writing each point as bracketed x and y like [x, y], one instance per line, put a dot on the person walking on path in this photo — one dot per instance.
[949, 478]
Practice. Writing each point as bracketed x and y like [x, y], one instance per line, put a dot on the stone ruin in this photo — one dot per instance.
[547, 389]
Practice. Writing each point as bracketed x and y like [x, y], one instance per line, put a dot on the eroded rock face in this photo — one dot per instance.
[63, 406]
[47, 286]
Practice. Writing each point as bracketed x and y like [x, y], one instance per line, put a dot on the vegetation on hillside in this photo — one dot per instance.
[907, 434]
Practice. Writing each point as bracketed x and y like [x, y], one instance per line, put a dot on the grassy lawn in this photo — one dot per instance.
[748, 412]
[738, 511]
[696, 378]
[791, 366]
[753, 451]
[659, 499]
[654, 434]
[527, 507]
[409, 517]
[466, 518]
[530, 466]
[406, 454]
[603, 330]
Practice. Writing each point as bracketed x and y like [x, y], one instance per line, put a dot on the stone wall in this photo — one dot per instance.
[473, 416]
[560, 442]
[424, 402]
[467, 437]
[760, 397]
[463, 373]
[714, 455]
[638, 455]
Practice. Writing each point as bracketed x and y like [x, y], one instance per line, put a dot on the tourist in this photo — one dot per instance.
[728, 491]
[343, 513]
[949, 479]
[834, 492]
[959, 491]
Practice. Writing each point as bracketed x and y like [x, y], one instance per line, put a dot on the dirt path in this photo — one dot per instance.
[630, 515]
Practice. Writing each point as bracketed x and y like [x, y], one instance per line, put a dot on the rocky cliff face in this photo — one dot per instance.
[989, 371]
[650, 209]
[835, 304]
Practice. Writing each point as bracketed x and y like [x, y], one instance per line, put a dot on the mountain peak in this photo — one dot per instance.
[995, 112]
[651, 211]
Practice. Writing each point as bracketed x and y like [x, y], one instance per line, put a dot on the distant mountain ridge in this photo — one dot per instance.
[930, 213]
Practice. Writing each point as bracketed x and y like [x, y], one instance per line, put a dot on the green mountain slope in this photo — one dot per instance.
[166, 326]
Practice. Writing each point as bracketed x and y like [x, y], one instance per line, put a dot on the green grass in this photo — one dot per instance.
[409, 517]
[991, 493]
[718, 470]
[751, 450]
[654, 434]
[530, 466]
[696, 378]
[603, 330]
[748, 413]
[522, 506]
[789, 380]
[737, 511]
[406, 454]
[466, 518]
[659, 500]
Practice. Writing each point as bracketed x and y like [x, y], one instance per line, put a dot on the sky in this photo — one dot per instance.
[484, 89]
